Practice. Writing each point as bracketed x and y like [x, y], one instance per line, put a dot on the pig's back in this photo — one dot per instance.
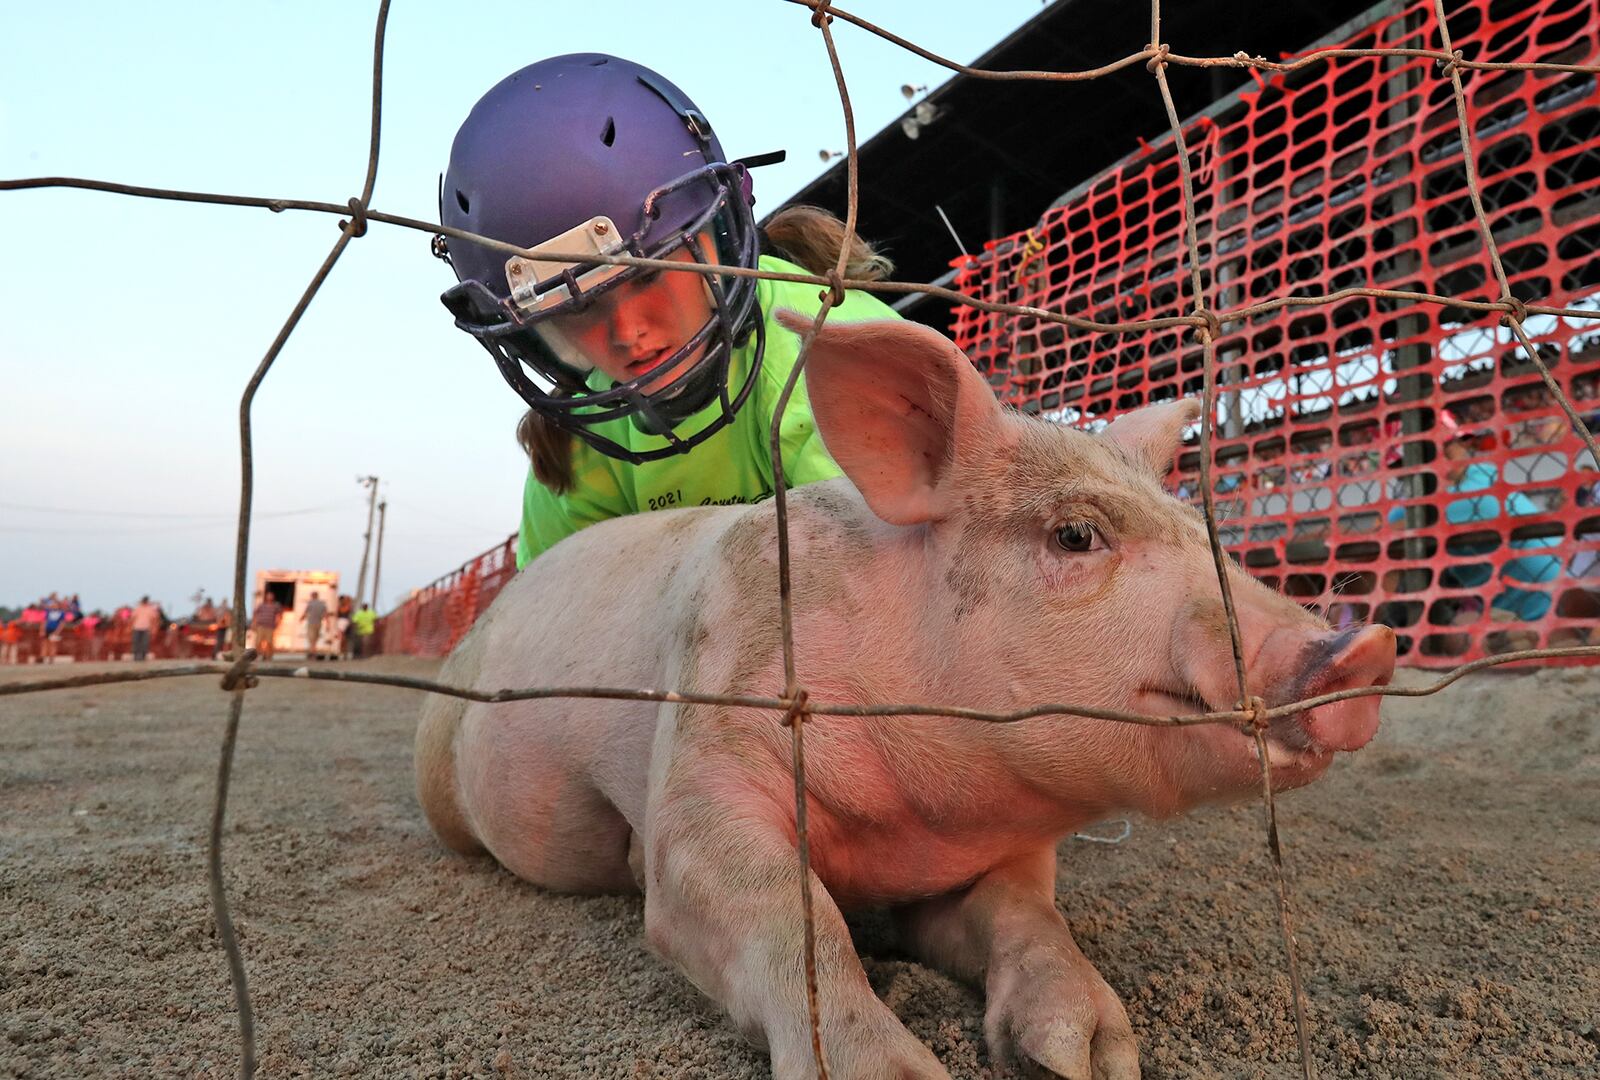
[597, 609]
[604, 603]
[590, 610]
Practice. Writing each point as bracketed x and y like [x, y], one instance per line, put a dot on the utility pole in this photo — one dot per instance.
[377, 562]
[371, 484]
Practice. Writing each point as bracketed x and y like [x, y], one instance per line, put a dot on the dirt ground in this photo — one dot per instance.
[1446, 883]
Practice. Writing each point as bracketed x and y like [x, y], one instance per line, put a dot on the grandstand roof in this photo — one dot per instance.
[997, 154]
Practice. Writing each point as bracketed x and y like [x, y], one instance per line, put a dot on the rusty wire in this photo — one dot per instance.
[1251, 714]
[780, 704]
[796, 718]
[900, 288]
[1150, 52]
[237, 680]
[1251, 705]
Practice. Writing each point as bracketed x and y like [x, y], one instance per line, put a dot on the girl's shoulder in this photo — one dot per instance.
[806, 296]
[771, 293]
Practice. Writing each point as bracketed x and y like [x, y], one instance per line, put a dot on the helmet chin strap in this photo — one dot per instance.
[660, 416]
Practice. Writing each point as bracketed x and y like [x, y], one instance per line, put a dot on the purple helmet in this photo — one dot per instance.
[593, 154]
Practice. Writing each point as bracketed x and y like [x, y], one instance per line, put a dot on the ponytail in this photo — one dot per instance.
[549, 448]
[805, 235]
[811, 237]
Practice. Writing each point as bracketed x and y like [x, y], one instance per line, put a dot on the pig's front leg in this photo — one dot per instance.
[1047, 1005]
[722, 901]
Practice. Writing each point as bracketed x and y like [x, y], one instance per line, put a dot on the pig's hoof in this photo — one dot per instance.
[1064, 1027]
[1062, 1050]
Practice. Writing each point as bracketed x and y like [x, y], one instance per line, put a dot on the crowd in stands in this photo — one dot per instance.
[56, 628]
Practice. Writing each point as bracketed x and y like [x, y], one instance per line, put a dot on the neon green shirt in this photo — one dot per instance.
[364, 621]
[732, 466]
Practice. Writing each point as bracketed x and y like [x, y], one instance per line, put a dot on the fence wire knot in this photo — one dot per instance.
[797, 708]
[1211, 326]
[1255, 714]
[1159, 59]
[1518, 313]
[820, 12]
[834, 297]
[358, 222]
[238, 677]
[1448, 67]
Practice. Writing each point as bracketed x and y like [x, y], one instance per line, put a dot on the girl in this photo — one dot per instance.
[646, 390]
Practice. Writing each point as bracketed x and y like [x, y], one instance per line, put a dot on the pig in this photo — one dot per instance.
[975, 556]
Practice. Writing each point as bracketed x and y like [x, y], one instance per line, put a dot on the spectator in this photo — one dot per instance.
[55, 614]
[119, 637]
[10, 636]
[313, 615]
[1393, 455]
[165, 639]
[89, 635]
[347, 639]
[1512, 603]
[265, 623]
[1541, 431]
[364, 622]
[220, 628]
[144, 621]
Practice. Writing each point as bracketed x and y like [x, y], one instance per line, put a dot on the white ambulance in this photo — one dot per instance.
[292, 589]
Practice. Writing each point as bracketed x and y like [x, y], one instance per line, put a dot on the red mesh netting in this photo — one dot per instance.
[1378, 458]
[437, 616]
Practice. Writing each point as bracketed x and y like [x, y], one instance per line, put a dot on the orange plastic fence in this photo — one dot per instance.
[1378, 458]
[438, 615]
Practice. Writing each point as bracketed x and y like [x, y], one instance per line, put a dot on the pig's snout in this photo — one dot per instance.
[1361, 659]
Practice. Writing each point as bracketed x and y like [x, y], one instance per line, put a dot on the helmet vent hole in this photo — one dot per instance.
[461, 201]
[601, 62]
[609, 135]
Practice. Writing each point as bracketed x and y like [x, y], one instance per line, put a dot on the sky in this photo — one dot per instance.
[129, 327]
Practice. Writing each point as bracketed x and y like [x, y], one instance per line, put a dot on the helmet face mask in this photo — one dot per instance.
[516, 307]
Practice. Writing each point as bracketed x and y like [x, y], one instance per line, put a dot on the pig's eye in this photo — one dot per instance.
[1076, 536]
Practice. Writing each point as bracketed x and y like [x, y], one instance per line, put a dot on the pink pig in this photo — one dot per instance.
[975, 557]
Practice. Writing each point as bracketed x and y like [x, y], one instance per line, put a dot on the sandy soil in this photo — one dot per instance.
[1446, 881]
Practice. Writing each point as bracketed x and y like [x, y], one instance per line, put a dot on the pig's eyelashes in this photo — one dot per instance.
[1078, 536]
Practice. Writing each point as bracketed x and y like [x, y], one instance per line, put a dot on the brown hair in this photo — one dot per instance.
[812, 237]
[808, 236]
[548, 448]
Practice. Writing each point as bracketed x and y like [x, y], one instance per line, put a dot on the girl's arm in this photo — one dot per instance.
[549, 518]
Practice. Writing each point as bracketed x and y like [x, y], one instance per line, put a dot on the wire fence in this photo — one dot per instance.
[1385, 459]
[794, 704]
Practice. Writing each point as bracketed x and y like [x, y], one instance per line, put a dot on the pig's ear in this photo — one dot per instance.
[1150, 436]
[893, 401]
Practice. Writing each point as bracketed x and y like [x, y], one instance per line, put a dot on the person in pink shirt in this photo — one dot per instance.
[145, 620]
[264, 622]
